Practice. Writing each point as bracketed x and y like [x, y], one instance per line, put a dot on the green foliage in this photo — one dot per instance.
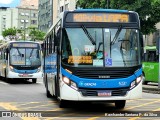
[148, 10]
[9, 32]
[36, 34]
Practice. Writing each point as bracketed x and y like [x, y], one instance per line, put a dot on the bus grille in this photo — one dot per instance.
[115, 92]
[104, 73]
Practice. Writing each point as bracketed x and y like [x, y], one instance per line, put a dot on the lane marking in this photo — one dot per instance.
[134, 118]
[26, 108]
[141, 105]
[93, 118]
[10, 107]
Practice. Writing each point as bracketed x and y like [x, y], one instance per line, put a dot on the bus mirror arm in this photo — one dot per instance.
[56, 42]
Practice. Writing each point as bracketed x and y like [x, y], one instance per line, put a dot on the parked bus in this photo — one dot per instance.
[94, 55]
[150, 65]
[20, 60]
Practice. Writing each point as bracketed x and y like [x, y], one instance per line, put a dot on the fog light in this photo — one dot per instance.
[133, 84]
[74, 85]
[11, 68]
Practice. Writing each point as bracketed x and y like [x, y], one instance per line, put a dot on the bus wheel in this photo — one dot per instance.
[144, 82]
[120, 104]
[34, 80]
[48, 94]
[63, 103]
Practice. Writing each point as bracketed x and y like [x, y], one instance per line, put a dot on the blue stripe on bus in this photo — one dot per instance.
[102, 83]
[25, 71]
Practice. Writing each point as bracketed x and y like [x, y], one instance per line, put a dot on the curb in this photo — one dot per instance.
[151, 90]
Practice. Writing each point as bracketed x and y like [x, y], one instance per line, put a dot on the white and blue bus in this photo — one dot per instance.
[94, 55]
[21, 60]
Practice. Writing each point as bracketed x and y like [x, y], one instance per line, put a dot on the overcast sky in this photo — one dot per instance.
[9, 3]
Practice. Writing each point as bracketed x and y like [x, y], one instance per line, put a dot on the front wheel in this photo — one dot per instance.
[34, 80]
[144, 82]
[120, 104]
[63, 103]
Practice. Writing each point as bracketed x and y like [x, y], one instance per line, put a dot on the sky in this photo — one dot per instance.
[9, 3]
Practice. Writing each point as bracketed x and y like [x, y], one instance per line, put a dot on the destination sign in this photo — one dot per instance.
[98, 17]
[31, 45]
[80, 59]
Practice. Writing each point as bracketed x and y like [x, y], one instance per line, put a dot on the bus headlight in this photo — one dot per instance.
[39, 69]
[66, 80]
[136, 82]
[70, 83]
[11, 68]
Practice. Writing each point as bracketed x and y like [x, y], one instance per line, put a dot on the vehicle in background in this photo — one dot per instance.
[21, 59]
[94, 55]
[150, 65]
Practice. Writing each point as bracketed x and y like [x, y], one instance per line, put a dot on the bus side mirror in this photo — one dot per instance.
[6, 54]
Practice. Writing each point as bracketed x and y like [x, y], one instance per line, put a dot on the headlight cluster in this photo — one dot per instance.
[11, 68]
[39, 69]
[70, 83]
[136, 82]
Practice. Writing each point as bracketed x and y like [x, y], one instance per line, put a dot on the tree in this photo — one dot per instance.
[10, 32]
[36, 34]
[148, 10]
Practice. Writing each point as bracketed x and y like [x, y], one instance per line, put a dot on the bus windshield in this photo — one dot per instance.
[25, 56]
[101, 47]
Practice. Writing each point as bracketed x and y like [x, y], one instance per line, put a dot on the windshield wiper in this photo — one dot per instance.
[117, 34]
[88, 35]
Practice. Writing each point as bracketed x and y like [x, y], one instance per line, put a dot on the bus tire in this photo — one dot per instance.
[48, 94]
[144, 82]
[120, 104]
[34, 80]
[63, 103]
[5, 78]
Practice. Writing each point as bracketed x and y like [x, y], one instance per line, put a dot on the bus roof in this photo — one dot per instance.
[6, 44]
[102, 10]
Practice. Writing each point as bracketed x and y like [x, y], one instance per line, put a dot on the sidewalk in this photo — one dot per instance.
[151, 88]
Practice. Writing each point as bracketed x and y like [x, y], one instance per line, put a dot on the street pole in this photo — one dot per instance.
[24, 30]
[159, 62]
[107, 4]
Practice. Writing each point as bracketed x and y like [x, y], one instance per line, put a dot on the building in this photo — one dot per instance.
[151, 39]
[29, 4]
[27, 17]
[21, 17]
[45, 14]
[8, 18]
[49, 11]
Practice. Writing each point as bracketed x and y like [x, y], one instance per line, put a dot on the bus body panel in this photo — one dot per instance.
[67, 93]
[10, 66]
[151, 64]
[65, 68]
[151, 71]
[18, 75]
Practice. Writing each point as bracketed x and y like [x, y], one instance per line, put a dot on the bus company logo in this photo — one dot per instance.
[81, 83]
[90, 84]
[123, 83]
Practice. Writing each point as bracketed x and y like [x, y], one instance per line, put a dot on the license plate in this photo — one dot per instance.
[104, 93]
[24, 75]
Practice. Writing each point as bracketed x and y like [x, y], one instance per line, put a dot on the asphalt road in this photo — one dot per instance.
[30, 99]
